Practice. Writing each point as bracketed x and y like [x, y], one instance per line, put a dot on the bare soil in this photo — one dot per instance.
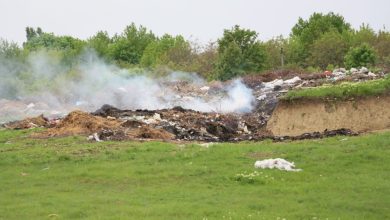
[292, 118]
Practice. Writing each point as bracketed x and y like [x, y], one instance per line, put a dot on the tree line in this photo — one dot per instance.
[324, 41]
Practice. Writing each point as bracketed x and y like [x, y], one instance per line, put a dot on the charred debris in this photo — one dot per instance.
[179, 124]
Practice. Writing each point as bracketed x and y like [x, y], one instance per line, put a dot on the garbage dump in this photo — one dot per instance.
[195, 110]
[110, 123]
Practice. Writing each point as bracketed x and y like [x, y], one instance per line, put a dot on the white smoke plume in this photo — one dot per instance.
[42, 84]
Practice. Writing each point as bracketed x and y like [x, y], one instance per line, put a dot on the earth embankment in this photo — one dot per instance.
[295, 117]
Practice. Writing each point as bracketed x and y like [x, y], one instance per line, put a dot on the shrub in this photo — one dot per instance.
[239, 53]
[360, 56]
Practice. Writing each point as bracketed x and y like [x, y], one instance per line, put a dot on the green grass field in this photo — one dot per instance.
[342, 91]
[70, 178]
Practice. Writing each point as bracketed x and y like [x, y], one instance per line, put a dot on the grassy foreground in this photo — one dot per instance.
[70, 178]
[342, 91]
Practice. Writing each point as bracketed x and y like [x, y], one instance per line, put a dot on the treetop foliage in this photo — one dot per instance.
[240, 52]
[321, 41]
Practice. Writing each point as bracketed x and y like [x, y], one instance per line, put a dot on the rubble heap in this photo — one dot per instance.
[33, 122]
[110, 123]
[183, 124]
[80, 123]
[177, 123]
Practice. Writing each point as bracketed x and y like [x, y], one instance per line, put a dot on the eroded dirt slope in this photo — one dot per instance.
[304, 116]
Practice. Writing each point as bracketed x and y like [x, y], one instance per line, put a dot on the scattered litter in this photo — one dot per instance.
[292, 80]
[205, 88]
[271, 85]
[277, 163]
[31, 105]
[370, 74]
[94, 137]
[262, 97]
[110, 118]
[206, 145]
[363, 70]
[353, 70]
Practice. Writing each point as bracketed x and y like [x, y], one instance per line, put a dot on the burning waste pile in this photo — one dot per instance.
[178, 106]
[110, 123]
[213, 111]
[46, 87]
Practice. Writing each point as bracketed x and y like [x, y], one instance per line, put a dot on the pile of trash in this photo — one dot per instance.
[79, 123]
[181, 124]
[352, 75]
[110, 123]
[27, 123]
[277, 163]
[178, 123]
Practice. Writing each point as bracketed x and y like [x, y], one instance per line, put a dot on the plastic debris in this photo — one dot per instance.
[292, 80]
[262, 97]
[277, 163]
[206, 145]
[94, 137]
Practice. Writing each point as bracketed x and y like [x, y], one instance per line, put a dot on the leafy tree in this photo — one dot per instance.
[382, 46]
[37, 40]
[318, 24]
[68, 46]
[130, 45]
[32, 33]
[329, 49]
[165, 50]
[365, 34]
[363, 55]
[306, 32]
[100, 43]
[383, 43]
[296, 53]
[275, 49]
[239, 52]
[205, 59]
[9, 49]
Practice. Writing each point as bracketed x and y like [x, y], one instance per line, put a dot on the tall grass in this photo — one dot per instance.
[342, 91]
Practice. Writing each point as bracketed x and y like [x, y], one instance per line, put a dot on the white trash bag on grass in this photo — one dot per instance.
[277, 163]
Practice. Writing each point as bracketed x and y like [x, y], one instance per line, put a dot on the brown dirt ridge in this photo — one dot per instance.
[363, 114]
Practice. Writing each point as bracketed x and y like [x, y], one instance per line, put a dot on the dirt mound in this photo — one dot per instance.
[151, 133]
[34, 122]
[81, 123]
[293, 118]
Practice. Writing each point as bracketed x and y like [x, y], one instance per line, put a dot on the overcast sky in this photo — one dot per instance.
[203, 20]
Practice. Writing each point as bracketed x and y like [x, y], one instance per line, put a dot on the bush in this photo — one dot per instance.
[239, 53]
[360, 56]
[329, 49]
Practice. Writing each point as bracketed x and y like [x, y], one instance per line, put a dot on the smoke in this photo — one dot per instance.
[44, 84]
